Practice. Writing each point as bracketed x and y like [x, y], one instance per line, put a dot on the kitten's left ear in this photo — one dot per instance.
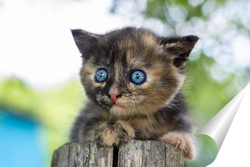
[179, 48]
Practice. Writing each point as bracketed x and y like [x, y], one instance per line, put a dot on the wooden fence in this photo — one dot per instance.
[135, 153]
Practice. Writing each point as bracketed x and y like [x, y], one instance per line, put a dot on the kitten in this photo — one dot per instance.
[132, 78]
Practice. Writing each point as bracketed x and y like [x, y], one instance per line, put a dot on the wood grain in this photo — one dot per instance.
[135, 153]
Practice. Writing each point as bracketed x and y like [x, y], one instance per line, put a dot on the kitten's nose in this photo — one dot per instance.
[114, 94]
[113, 97]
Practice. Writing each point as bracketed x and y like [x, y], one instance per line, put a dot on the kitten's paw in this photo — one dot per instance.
[182, 141]
[116, 133]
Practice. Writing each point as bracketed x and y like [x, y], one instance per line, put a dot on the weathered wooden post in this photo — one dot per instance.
[136, 153]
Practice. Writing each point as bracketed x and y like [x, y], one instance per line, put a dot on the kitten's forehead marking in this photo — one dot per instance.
[120, 66]
[129, 58]
[149, 39]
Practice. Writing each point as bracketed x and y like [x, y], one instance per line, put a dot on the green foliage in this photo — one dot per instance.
[205, 95]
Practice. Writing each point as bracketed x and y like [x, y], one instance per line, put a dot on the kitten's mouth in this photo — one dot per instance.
[118, 105]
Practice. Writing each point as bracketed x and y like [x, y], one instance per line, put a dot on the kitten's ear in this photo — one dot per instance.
[179, 48]
[85, 41]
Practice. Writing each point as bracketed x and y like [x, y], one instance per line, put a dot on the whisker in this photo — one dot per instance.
[132, 111]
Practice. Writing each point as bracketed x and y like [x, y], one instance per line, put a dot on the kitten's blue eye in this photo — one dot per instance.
[101, 75]
[138, 77]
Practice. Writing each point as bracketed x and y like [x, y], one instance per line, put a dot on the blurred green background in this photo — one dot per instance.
[218, 69]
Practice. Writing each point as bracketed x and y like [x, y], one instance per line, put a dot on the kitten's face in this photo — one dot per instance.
[131, 71]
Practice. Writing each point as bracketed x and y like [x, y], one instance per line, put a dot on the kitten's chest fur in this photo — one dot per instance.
[148, 128]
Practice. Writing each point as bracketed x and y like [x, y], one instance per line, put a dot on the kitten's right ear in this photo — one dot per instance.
[85, 41]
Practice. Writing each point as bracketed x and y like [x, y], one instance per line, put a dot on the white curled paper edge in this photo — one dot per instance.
[217, 128]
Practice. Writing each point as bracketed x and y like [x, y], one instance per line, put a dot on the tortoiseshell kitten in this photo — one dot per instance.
[132, 78]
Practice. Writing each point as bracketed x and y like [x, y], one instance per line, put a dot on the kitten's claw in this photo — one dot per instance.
[177, 144]
[187, 150]
[182, 141]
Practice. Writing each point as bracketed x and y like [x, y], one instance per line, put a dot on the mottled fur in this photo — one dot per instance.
[154, 109]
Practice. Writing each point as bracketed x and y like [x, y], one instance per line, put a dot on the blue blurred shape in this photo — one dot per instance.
[21, 144]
